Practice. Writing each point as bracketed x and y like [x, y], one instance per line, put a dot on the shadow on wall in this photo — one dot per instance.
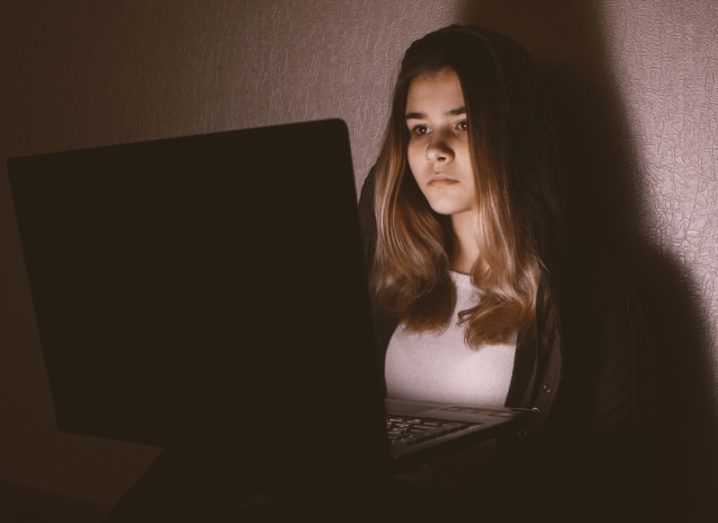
[602, 202]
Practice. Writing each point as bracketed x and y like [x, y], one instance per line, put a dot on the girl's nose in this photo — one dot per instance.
[438, 151]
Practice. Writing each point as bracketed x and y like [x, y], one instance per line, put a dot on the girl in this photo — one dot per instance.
[477, 298]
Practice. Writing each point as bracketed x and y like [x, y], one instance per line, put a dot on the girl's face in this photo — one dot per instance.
[438, 150]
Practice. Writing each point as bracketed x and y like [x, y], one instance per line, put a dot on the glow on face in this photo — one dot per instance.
[438, 150]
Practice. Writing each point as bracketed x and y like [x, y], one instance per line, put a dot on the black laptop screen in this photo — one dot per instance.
[182, 285]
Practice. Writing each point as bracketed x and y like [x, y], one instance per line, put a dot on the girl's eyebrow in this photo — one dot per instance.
[421, 116]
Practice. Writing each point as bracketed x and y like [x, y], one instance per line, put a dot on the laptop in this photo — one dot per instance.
[210, 292]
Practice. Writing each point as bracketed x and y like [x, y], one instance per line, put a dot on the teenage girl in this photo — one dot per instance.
[478, 298]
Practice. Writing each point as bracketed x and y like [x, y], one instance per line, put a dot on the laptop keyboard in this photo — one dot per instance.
[405, 430]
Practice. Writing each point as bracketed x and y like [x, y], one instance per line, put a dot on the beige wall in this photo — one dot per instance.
[636, 82]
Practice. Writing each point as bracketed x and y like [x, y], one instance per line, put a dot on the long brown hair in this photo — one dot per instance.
[415, 245]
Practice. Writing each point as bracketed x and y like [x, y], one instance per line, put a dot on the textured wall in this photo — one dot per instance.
[85, 73]
[665, 61]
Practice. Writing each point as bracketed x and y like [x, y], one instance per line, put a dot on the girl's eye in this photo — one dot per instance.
[419, 130]
[463, 125]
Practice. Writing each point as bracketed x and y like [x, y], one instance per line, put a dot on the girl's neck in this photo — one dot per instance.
[467, 251]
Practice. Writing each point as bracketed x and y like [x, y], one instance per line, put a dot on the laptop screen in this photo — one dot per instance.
[210, 284]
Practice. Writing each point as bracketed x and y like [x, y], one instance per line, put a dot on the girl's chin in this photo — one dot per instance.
[447, 209]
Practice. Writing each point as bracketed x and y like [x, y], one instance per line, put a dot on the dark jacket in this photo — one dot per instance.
[577, 365]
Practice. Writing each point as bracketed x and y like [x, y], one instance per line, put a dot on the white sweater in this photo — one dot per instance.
[441, 367]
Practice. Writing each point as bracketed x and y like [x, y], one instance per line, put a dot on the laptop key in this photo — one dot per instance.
[410, 431]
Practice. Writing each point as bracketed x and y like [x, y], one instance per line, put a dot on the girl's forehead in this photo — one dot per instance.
[435, 87]
[434, 75]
